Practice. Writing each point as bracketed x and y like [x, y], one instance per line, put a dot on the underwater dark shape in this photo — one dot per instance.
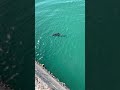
[58, 35]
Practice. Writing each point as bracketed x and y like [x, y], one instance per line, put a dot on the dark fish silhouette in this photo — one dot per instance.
[58, 35]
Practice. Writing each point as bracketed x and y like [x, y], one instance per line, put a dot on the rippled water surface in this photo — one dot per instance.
[63, 56]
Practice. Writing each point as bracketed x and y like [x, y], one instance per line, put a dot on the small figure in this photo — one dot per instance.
[58, 35]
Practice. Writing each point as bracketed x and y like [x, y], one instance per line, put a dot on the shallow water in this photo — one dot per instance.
[63, 56]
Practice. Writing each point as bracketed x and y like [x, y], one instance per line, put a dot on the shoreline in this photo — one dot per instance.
[47, 80]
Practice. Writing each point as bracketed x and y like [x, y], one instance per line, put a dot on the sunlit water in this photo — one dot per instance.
[63, 56]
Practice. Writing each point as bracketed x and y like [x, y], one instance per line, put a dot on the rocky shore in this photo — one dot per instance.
[40, 84]
[44, 80]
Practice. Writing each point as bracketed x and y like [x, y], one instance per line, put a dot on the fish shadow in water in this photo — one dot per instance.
[58, 35]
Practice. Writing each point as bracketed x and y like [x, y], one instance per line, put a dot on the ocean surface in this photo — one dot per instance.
[63, 56]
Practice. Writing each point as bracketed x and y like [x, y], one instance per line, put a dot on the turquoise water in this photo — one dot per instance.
[63, 56]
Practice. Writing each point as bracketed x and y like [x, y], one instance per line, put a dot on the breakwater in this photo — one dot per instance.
[48, 78]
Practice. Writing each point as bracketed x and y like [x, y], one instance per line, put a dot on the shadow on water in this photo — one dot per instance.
[58, 35]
